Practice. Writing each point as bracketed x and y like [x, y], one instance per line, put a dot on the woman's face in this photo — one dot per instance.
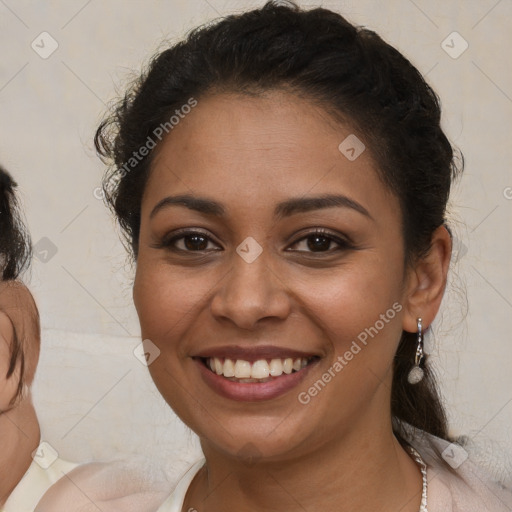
[257, 284]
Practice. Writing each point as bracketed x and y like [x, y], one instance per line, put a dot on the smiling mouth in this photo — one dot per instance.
[259, 371]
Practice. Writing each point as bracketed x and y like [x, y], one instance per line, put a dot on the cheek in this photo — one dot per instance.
[164, 297]
[350, 298]
[358, 313]
[168, 302]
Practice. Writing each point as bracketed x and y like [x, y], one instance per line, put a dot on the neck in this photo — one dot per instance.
[19, 437]
[364, 471]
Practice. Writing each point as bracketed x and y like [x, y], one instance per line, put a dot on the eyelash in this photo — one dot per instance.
[169, 243]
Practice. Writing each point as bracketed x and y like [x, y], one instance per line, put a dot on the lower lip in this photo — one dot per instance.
[253, 391]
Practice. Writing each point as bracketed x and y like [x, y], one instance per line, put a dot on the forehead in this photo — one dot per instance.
[263, 148]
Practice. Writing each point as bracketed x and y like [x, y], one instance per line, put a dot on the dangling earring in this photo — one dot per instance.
[416, 374]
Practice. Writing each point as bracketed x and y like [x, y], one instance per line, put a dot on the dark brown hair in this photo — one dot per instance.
[15, 254]
[357, 77]
[15, 248]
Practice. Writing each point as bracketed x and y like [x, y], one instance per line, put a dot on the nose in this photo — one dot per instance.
[251, 292]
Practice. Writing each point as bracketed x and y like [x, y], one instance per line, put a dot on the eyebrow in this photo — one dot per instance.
[306, 204]
[284, 209]
[198, 204]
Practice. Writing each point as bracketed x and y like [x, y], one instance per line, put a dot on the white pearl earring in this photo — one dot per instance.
[416, 374]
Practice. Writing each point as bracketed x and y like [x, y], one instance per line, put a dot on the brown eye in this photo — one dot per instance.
[320, 242]
[195, 242]
[188, 241]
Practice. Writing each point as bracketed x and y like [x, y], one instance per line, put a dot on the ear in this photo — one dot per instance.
[426, 282]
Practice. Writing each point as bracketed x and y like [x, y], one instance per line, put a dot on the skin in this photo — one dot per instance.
[19, 427]
[338, 451]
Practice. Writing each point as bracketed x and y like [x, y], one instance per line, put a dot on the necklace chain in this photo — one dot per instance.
[423, 469]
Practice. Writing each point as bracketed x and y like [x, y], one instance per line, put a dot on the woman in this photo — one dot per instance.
[27, 469]
[282, 179]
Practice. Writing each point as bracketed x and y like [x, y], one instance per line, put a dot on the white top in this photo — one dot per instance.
[455, 483]
[35, 482]
[117, 486]
[174, 503]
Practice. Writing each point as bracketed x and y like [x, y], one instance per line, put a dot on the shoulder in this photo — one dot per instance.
[115, 486]
[456, 480]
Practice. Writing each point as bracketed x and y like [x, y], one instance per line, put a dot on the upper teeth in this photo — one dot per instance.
[260, 369]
